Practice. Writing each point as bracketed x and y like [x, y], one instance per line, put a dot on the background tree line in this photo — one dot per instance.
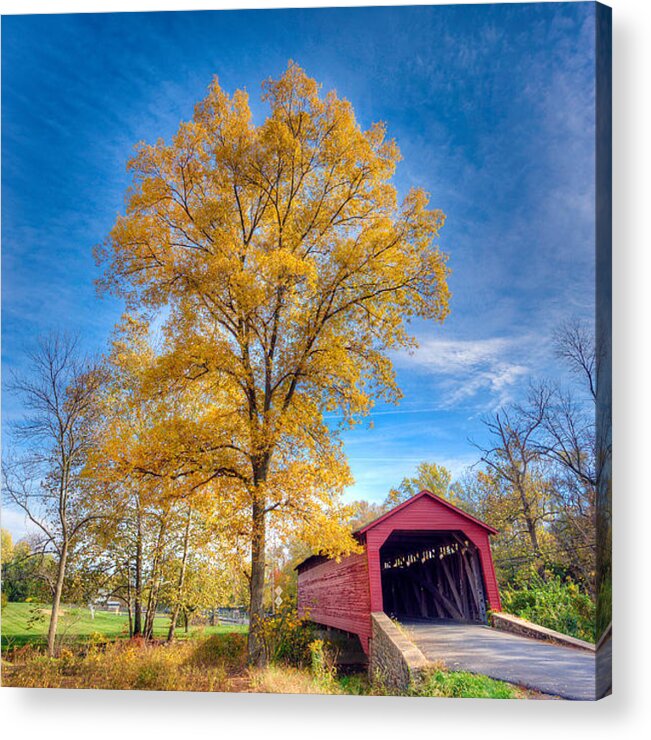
[153, 543]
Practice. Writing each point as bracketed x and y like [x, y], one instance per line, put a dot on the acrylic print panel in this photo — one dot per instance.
[310, 390]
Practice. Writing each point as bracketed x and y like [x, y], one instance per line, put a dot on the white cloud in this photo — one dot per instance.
[14, 521]
[467, 368]
[450, 355]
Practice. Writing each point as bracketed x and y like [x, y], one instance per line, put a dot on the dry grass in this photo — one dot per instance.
[279, 679]
[217, 663]
[208, 665]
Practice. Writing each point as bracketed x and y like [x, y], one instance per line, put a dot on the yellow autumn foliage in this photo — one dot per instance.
[283, 269]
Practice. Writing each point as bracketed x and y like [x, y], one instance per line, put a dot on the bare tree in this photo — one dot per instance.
[568, 438]
[45, 481]
[575, 344]
[554, 432]
[515, 458]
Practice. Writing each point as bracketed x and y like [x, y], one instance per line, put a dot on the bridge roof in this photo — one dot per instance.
[360, 534]
[363, 530]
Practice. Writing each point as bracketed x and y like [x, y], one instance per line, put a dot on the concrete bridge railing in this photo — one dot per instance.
[393, 658]
[519, 626]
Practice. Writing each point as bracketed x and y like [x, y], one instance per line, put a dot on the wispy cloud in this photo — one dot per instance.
[468, 367]
[14, 521]
[495, 120]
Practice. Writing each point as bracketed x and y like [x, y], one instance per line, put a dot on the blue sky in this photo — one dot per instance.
[492, 107]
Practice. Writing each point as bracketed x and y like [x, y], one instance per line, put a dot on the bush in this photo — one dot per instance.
[555, 603]
[287, 638]
[227, 650]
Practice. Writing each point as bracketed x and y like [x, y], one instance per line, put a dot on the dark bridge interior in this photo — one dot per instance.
[432, 575]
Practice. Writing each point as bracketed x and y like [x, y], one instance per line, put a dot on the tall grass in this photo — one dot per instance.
[134, 664]
[285, 679]
[216, 663]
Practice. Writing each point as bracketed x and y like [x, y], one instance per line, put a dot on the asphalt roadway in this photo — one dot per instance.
[542, 666]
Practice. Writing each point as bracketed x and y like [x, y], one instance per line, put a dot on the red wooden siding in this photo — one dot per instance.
[343, 595]
[337, 595]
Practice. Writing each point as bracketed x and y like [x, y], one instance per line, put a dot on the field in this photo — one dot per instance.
[94, 653]
[27, 623]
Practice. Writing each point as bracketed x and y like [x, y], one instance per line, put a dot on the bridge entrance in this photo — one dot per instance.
[432, 575]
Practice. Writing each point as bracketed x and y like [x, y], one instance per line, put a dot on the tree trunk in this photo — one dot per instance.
[256, 651]
[179, 593]
[530, 525]
[137, 620]
[129, 602]
[533, 538]
[56, 601]
[156, 578]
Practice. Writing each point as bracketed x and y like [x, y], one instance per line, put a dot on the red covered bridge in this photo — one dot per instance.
[425, 558]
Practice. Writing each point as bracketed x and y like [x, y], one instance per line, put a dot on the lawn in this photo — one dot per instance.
[27, 623]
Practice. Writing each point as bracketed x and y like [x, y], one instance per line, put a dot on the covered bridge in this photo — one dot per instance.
[425, 558]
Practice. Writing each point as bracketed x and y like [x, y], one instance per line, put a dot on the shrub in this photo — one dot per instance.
[228, 650]
[356, 684]
[287, 638]
[555, 603]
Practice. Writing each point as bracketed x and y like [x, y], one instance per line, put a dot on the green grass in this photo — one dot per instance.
[460, 684]
[438, 682]
[28, 623]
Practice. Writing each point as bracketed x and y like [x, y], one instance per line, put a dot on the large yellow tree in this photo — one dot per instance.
[286, 269]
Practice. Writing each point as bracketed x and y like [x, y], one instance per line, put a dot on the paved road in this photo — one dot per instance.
[561, 671]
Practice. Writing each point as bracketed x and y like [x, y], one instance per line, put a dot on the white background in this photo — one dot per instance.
[95, 715]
